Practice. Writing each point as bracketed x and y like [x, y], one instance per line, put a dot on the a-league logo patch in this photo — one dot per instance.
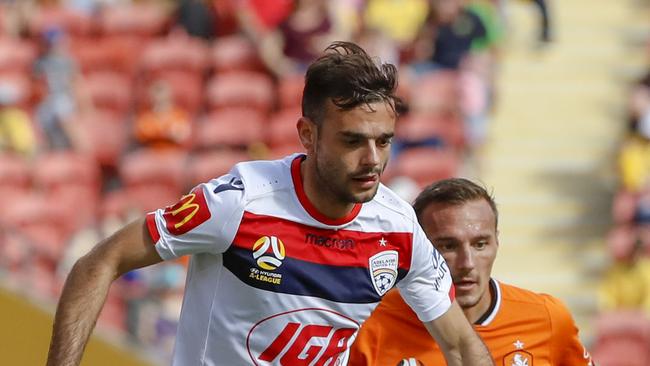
[383, 270]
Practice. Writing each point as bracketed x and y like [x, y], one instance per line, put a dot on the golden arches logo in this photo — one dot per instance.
[187, 203]
[269, 260]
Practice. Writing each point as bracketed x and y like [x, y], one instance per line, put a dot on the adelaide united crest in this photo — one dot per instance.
[383, 270]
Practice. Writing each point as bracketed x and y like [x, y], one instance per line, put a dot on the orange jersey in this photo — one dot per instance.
[520, 328]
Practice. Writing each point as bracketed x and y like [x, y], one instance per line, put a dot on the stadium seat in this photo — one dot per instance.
[113, 54]
[186, 88]
[38, 222]
[148, 168]
[176, 52]
[111, 91]
[141, 19]
[145, 199]
[234, 53]
[72, 22]
[622, 339]
[70, 181]
[14, 171]
[425, 165]
[281, 131]
[290, 91]
[212, 164]
[107, 133]
[231, 127]
[16, 56]
[55, 169]
[416, 127]
[19, 86]
[241, 89]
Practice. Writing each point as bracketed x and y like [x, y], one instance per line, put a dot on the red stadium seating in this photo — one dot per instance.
[111, 91]
[57, 169]
[115, 54]
[232, 127]
[623, 339]
[148, 168]
[107, 134]
[290, 91]
[141, 19]
[71, 181]
[426, 165]
[282, 130]
[70, 21]
[16, 56]
[186, 88]
[234, 53]
[241, 89]
[212, 164]
[176, 52]
[20, 88]
[417, 127]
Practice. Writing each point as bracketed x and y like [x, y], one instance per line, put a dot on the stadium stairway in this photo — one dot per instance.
[550, 157]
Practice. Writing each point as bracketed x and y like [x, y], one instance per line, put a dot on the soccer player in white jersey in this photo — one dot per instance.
[288, 257]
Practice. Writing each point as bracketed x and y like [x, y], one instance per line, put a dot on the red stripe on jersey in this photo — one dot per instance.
[321, 246]
[150, 219]
[452, 293]
[309, 207]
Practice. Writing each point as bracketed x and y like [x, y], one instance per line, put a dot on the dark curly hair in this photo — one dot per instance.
[347, 76]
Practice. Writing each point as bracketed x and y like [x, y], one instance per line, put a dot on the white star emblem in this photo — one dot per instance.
[519, 344]
[382, 242]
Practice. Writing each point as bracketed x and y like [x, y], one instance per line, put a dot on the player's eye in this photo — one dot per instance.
[481, 244]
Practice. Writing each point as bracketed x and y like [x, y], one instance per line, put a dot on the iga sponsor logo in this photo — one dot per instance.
[383, 270]
[315, 337]
[188, 213]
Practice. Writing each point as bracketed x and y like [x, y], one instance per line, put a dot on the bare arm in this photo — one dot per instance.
[457, 339]
[87, 285]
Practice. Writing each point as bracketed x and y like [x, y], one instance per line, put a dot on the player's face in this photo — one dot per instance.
[465, 235]
[352, 150]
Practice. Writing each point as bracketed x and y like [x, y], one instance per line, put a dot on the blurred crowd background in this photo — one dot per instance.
[112, 108]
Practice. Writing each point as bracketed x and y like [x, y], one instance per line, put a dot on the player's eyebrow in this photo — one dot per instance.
[359, 135]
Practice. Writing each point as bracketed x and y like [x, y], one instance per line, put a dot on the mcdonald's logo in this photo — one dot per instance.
[188, 213]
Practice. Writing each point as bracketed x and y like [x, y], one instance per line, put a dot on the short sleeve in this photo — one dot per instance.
[567, 349]
[202, 221]
[427, 286]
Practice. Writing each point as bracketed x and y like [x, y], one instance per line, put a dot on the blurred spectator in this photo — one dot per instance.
[451, 32]
[299, 39]
[164, 124]
[544, 21]
[197, 17]
[627, 282]
[400, 21]
[634, 157]
[16, 130]
[59, 72]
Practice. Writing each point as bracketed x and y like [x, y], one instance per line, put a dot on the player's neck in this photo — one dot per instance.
[478, 311]
[317, 194]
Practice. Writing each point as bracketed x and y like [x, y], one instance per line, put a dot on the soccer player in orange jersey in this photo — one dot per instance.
[520, 327]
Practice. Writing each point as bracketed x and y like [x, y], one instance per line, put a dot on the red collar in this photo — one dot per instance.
[309, 207]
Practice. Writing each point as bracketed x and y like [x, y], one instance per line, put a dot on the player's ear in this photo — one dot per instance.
[307, 132]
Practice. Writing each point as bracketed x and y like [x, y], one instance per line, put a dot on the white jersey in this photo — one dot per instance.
[274, 282]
